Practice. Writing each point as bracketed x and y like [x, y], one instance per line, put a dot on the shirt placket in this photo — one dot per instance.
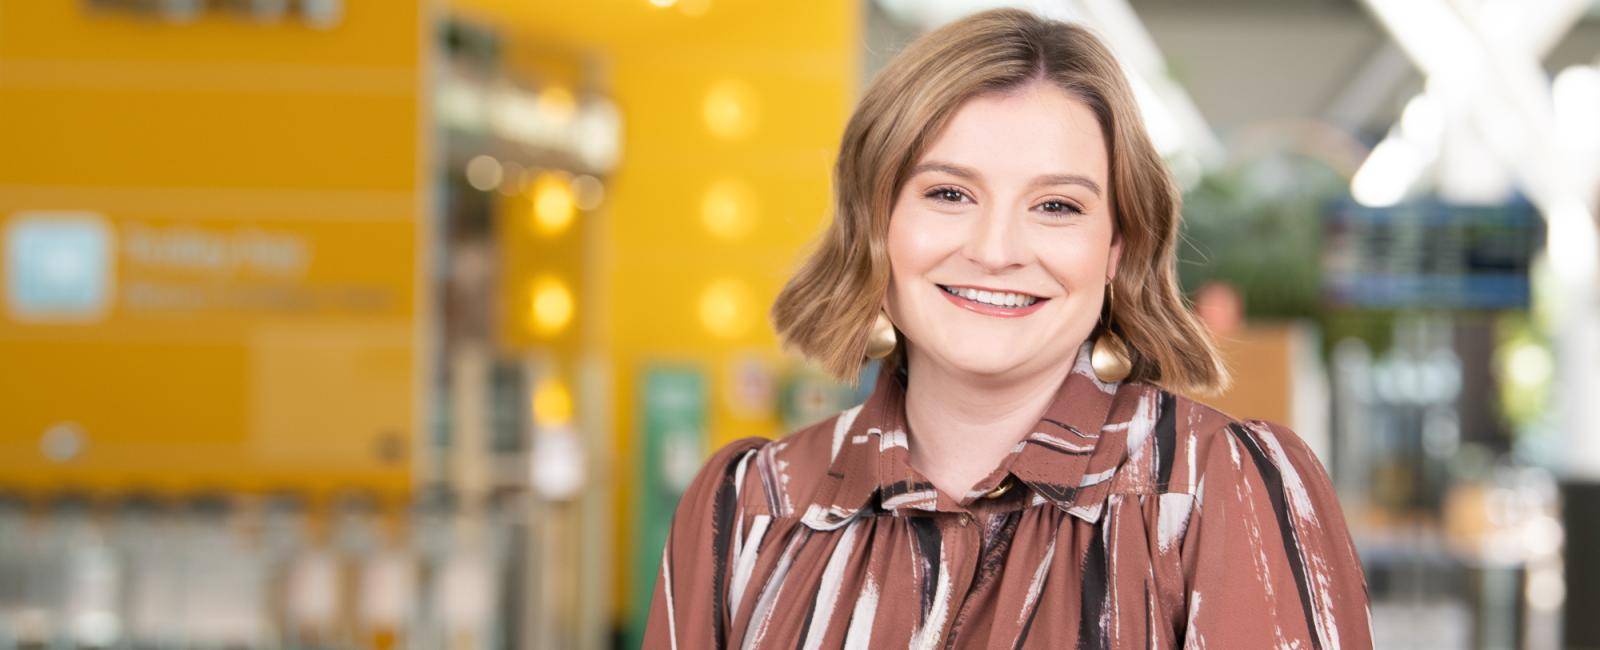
[960, 538]
[963, 542]
[979, 513]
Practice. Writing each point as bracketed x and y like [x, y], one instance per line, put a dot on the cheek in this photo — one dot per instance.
[916, 244]
[1078, 263]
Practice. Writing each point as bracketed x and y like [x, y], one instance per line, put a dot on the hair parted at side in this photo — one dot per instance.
[826, 310]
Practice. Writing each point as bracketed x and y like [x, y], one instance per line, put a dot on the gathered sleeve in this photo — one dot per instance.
[689, 606]
[1267, 556]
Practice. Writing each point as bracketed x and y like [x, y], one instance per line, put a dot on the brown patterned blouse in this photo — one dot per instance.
[1129, 518]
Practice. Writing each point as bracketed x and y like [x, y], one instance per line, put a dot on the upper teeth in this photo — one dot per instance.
[996, 298]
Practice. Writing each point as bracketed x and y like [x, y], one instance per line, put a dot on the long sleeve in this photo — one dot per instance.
[689, 606]
[1268, 557]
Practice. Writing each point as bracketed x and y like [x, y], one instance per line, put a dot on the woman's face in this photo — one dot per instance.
[1012, 197]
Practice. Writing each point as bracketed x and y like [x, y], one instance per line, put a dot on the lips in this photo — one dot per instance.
[992, 310]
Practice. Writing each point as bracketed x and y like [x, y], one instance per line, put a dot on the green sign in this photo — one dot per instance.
[673, 446]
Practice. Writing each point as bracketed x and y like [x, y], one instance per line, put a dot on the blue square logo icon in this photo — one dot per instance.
[58, 266]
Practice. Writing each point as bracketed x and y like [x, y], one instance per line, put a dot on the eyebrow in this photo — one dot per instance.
[1042, 179]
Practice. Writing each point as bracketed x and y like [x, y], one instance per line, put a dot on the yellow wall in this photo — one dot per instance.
[261, 186]
[791, 70]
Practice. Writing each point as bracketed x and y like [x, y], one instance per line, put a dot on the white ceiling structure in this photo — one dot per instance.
[1244, 66]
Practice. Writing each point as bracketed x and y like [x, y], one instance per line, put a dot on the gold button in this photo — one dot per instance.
[964, 519]
[1005, 484]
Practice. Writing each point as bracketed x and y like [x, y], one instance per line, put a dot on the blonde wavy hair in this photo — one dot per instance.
[826, 309]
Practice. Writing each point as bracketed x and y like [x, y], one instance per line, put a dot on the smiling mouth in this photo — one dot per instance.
[1000, 299]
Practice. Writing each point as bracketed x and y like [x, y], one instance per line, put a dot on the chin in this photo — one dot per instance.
[975, 361]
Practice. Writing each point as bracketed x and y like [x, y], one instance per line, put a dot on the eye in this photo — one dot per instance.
[946, 194]
[1060, 207]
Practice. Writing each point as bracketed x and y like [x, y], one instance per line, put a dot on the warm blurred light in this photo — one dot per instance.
[1541, 535]
[587, 192]
[597, 134]
[553, 204]
[459, 103]
[516, 114]
[725, 308]
[484, 172]
[1546, 590]
[552, 403]
[1528, 364]
[663, 3]
[1388, 172]
[694, 7]
[556, 105]
[730, 109]
[557, 467]
[728, 208]
[552, 305]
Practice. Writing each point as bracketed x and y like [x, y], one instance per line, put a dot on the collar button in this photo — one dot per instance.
[1002, 488]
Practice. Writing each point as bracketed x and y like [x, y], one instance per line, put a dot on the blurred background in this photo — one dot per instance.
[387, 323]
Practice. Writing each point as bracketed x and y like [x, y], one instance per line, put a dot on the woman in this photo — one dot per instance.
[1026, 471]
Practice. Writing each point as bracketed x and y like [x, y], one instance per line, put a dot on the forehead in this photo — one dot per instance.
[1032, 130]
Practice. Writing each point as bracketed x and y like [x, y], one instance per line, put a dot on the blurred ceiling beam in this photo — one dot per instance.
[1195, 138]
[1491, 76]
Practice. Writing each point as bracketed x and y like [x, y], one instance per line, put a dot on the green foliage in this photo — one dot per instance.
[1257, 225]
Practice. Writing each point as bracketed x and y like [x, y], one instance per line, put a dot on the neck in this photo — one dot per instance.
[961, 426]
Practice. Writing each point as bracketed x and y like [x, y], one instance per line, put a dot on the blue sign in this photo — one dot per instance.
[1430, 255]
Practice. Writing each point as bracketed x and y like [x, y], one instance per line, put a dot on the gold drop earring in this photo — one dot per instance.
[882, 339]
[1109, 356]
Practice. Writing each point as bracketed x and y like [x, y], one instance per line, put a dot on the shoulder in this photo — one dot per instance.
[793, 466]
[1174, 440]
[1258, 460]
[1253, 468]
[772, 476]
[1274, 455]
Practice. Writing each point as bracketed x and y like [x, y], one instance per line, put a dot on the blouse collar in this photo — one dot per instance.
[1068, 459]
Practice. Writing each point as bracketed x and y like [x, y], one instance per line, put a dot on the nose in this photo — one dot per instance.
[996, 241]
